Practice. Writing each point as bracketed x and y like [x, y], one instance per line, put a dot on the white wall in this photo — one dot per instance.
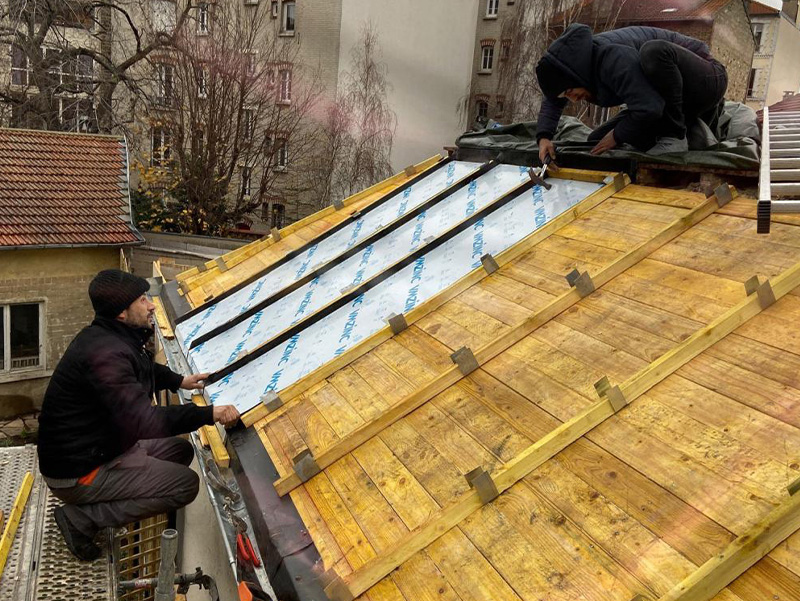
[427, 46]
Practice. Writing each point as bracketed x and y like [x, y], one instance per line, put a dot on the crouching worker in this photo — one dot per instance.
[665, 79]
[104, 449]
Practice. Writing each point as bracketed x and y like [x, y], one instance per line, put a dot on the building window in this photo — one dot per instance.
[161, 142]
[281, 154]
[164, 95]
[84, 73]
[500, 105]
[202, 18]
[202, 82]
[77, 114]
[751, 84]
[20, 67]
[21, 336]
[285, 76]
[491, 8]
[246, 177]
[482, 112]
[250, 62]
[487, 58]
[505, 50]
[277, 215]
[287, 17]
[248, 124]
[758, 34]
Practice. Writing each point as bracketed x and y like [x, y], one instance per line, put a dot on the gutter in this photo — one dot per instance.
[139, 242]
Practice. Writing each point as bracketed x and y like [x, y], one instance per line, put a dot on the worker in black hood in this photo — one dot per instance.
[665, 79]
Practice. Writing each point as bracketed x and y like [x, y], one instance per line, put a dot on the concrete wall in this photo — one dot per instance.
[785, 73]
[178, 252]
[732, 44]
[60, 278]
[428, 48]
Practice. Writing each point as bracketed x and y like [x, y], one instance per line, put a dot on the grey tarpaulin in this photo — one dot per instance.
[734, 146]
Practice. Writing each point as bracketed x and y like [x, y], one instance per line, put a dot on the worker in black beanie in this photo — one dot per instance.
[105, 450]
[665, 79]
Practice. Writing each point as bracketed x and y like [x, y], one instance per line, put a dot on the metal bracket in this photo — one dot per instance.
[410, 170]
[397, 322]
[723, 194]
[338, 591]
[618, 179]
[156, 282]
[794, 487]
[355, 214]
[489, 263]
[202, 267]
[582, 282]
[305, 466]
[183, 287]
[602, 386]
[275, 233]
[465, 360]
[209, 298]
[751, 285]
[221, 265]
[338, 205]
[482, 482]
[272, 401]
[766, 295]
[616, 398]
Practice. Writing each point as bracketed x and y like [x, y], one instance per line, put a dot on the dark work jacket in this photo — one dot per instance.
[98, 403]
[607, 64]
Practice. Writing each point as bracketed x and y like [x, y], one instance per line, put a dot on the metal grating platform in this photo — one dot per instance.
[40, 567]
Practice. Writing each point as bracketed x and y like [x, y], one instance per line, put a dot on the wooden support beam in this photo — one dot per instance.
[493, 348]
[741, 554]
[213, 437]
[292, 393]
[371, 572]
[14, 517]
[162, 320]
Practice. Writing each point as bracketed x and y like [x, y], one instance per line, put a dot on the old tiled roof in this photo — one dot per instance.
[757, 8]
[647, 11]
[63, 189]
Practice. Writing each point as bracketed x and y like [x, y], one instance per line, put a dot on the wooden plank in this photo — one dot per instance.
[14, 517]
[162, 320]
[675, 198]
[500, 344]
[213, 437]
[545, 448]
[719, 571]
[475, 276]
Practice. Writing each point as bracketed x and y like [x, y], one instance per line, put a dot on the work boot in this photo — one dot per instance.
[669, 146]
[79, 544]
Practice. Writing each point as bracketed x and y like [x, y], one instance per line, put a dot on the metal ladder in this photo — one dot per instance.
[780, 167]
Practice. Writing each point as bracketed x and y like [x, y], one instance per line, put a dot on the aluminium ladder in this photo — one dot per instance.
[779, 178]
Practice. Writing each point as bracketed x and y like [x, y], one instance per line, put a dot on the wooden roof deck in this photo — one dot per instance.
[637, 499]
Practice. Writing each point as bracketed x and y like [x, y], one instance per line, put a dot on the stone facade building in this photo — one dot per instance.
[775, 71]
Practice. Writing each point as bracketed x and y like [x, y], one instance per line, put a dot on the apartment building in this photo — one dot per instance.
[775, 72]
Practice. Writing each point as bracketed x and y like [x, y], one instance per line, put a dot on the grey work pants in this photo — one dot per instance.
[152, 477]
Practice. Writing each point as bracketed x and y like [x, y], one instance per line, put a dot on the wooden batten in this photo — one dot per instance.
[292, 393]
[784, 520]
[212, 437]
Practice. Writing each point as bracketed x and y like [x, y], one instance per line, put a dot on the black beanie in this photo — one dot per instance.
[553, 80]
[113, 290]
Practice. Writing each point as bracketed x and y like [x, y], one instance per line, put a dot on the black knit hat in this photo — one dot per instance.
[552, 79]
[112, 291]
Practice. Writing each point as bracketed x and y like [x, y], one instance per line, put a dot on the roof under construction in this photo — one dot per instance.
[504, 432]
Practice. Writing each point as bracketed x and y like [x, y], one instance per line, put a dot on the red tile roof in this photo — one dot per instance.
[648, 11]
[63, 189]
[756, 8]
[790, 103]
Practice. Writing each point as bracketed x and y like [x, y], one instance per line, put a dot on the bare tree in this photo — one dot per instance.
[68, 57]
[527, 31]
[358, 126]
[228, 110]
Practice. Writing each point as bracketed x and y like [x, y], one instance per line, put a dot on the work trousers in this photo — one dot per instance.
[692, 87]
[151, 478]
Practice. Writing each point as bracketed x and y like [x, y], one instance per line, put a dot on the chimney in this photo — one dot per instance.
[787, 94]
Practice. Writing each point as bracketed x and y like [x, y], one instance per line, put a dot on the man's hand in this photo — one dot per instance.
[227, 415]
[607, 143]
[546, 148]
[194, 382]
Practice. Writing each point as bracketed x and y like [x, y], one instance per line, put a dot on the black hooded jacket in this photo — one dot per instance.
[98, 402]
[608, 65]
